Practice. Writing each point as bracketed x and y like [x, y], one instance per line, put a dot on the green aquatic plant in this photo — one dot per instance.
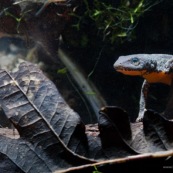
[96, 170]
[17, 17]
[62, 71]
[5, 12]
[113, 21]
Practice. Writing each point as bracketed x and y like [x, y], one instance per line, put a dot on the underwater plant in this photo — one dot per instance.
[113, 21]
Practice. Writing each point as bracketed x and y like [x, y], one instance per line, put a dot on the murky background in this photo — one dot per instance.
[76, 43]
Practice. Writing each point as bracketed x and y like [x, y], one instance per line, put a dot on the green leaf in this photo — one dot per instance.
[131, 18]
[96, 13]
[122, 34]
[62, 70]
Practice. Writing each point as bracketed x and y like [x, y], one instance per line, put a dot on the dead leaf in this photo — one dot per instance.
[41, 116]
[158, 132]
[19, 156]
[53, 137]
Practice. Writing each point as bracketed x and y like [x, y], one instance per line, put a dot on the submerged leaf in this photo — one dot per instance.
[21, 157]
[53, 135]
[115, 131]
[40, 114]
[158, 131]
[154, 134]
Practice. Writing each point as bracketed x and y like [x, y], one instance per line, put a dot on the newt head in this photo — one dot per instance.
[135, 65]
[153, 67]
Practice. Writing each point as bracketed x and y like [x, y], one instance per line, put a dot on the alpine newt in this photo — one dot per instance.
[154, 68]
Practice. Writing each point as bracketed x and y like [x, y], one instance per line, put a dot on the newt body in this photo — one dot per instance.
[154, 68]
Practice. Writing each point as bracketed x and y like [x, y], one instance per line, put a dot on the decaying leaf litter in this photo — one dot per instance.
[54, 135]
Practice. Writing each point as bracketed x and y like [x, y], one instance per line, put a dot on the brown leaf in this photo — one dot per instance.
[140, 163]
[115, 131]
[158, 131]
[18, 155]
[154, 134]
[53, 134]
[40, 114]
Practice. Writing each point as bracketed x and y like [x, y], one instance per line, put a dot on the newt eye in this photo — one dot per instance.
[135, 61]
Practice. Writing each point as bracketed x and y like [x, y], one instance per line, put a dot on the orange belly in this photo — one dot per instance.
[159, 77]
[153, 77]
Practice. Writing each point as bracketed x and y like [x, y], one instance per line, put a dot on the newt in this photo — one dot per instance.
[154, 68]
